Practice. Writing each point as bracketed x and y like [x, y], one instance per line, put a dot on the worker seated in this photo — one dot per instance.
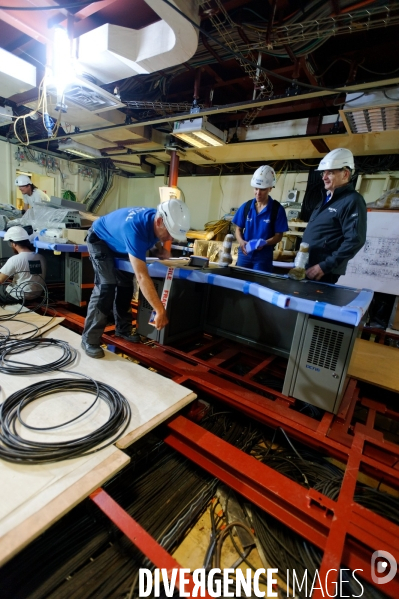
[26, 268]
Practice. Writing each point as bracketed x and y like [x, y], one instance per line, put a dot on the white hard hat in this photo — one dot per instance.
[176, 218]
[338, 158]
[23, 180]
[16, 234]
[263, 177]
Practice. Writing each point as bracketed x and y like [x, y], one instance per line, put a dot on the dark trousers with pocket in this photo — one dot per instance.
[113, 290]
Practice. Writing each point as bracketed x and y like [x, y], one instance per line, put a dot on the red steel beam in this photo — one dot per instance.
[29, 23]
[83, 13]
[138, 536]
[266, 488]
[327, 524]
[328, 435]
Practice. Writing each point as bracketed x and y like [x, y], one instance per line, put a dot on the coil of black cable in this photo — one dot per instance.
[14, 347]
[14, 448]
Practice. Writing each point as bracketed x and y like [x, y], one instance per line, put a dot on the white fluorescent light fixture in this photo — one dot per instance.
[73, 147]
[372, 112]
[199, 133]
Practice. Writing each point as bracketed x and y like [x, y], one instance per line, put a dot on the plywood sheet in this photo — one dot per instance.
[26, 323]
[28, 492]
[376, 364]
[62, 487]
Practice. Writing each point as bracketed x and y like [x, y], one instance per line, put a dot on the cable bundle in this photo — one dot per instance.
[314, 471]
[19, 450]
[101, 186]
[13, 347]
[18, 290]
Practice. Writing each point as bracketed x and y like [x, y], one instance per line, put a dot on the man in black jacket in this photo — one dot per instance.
[337, 227]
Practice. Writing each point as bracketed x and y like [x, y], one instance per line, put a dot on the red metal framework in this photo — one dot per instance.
[346, 532]
[138, 536]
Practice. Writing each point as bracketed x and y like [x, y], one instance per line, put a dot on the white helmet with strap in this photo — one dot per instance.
[176, 218]
[263, 177]
[338, 158]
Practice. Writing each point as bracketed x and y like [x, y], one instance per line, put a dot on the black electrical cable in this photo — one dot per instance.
[32, 332]
[246, 60]
[17, 449]
[20, 297]
[4, 336]
[314, 471]
[15, 367]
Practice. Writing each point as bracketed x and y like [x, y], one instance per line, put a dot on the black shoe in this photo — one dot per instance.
[94, 351]
[133, 338]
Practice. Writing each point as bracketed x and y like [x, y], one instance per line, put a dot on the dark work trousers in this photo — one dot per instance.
[6, 298]
[329, 278]
[113, 290]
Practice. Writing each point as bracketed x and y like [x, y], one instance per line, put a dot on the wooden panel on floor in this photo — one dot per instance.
[68, 483]
[26, 323]
[375, 363]
[29, 490]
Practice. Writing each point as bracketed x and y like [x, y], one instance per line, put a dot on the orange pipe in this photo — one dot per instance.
[173, 176]
[356, 6]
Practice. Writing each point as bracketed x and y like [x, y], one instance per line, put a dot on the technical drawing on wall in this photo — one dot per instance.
[376, 266]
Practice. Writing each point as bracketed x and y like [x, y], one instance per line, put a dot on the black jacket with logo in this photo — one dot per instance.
[337, 230]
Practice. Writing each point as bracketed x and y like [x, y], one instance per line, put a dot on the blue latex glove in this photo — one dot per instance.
[255, 244]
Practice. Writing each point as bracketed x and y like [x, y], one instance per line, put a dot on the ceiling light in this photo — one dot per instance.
[372, 112]
[63, 71]
[73, 147]
[199, 133]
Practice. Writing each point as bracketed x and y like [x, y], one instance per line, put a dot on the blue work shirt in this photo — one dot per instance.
[257, 226]
[128, 230]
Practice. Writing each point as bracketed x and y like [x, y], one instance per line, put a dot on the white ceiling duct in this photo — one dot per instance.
[16, 75]
[279, 129]
[111, 52]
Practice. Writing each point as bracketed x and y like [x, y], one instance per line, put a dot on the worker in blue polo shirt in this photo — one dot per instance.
[128, 231]
[260, 223]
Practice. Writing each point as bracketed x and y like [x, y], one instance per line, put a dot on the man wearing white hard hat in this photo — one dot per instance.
[128, 232]
[337, 227]
[260, 223]
[27, 269]
[30, 193]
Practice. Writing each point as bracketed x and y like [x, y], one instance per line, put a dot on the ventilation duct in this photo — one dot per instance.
[88, 96]
[372, 112]
[111, 52]
[16, 75]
